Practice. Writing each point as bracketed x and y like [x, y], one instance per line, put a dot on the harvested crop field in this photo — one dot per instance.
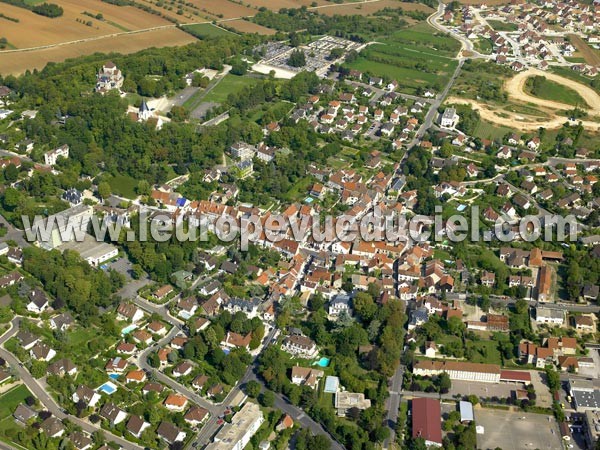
[488, 2]
[17, 62]
[365, 9]
[191, 14]
[591, 57]
[243, 26]
[66, 28]
[223, 9]
[278, 4]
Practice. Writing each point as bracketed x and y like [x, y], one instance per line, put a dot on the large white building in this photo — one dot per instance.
[449, 118]
[65, 226]
[459, 370]
[237, 434]
[51, 157]
[549, 315]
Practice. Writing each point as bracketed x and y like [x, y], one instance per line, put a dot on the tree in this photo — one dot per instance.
[267, 399]
[456, 326]
[444, 383]
[521, 306]
[364, 306]
[252, 388]
[297, 58]
[336, 53]
[11, 173]
[553, 379]
[239, 67]
[104, 190]
[484, 303]
[38, 369]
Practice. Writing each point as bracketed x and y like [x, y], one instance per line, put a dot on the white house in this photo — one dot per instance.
[449, 119]
[51, 157]
[339, 304]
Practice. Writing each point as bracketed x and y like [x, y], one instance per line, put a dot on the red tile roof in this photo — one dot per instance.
[427, 420]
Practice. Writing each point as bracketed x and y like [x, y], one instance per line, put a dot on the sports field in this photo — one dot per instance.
[229, 84]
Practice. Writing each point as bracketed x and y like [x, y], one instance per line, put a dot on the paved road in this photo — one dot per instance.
[43, 396]
[176, 386]
[13, 234]
[393, 403]
[511, 301]
[466, 44]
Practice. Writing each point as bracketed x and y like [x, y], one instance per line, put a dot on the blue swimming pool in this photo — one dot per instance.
[323, 362]
[114, 376]
[108, 388]
[128, 329]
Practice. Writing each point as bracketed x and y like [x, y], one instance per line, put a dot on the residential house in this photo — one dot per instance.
[136, 426]
[300, 346]
[170, 433]
[86, 395]
[112, 413]
[304, 376]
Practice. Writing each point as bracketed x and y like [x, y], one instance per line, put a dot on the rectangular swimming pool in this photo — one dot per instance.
[108, 388]
[128, 329]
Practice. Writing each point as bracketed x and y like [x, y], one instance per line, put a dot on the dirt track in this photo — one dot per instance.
[515, 89]
[518, 121]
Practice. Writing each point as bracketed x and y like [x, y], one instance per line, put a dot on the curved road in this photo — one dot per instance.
[43, 396]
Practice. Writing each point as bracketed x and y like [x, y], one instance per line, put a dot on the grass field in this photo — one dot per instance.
[416, 57]
[486, 130]
[549, 90]
[485, 352]
[571, 74]
[206, 30]
[123, 185]
[502, 26]
[229, 84]
[11, 399]
[422, 37]
[484, 46]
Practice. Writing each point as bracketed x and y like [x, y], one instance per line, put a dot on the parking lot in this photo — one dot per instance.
[517, 430]
[501, 390]
[121, 265]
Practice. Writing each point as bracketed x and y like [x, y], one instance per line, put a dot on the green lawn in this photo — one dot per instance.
[571, 74]
[424, 36]
[417, 57]
[299, 191]
[549, 90]
[205, 30]
[194, 101]
[277, 111]
[486, 130]
[81, 336]
[229, 84]
[11, 399]
[502, 26]
[485, 352]
[123, 185]
[484, 46]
